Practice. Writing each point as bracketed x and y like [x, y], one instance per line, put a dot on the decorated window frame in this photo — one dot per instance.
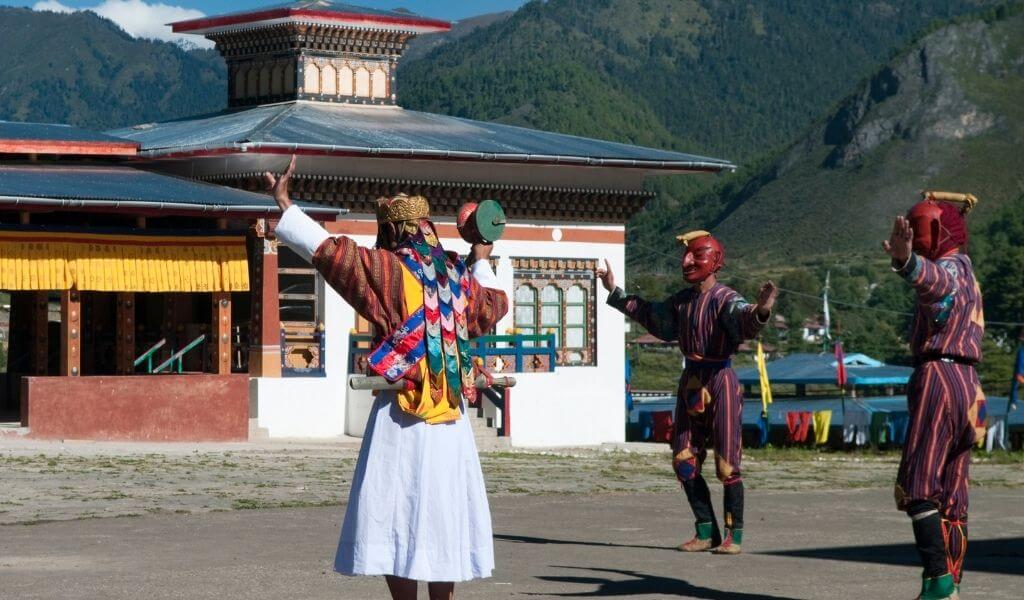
[301, 311]
[558, 296]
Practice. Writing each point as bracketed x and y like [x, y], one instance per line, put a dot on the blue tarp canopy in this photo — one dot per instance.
[777, 410]
[812, 369]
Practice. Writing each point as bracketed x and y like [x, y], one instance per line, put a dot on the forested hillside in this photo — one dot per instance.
[720, 78]
[945, 114]
[81, 69]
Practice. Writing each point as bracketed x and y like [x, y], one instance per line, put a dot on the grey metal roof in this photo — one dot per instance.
[816, 369]
[119, 187]
[10, 130]
[397, 133]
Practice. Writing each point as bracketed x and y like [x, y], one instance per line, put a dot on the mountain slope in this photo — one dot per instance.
[945, 114]
[720, 78]
[423, 45]
[81, 69]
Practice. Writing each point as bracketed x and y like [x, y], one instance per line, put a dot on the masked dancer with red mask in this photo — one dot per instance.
[709, 321]
[946, 403]
[418, 508]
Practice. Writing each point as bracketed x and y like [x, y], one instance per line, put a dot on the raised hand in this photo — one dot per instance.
[480, 252]
[766, 298]
[606, 276]
[900, 241]
[278, 186]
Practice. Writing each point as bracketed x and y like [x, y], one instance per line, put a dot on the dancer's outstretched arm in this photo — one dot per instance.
[661, 319]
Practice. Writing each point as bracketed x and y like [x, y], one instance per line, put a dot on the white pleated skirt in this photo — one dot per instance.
[418, 506]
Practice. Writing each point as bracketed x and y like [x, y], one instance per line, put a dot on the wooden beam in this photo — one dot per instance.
[221, 328]
[71, 333]
[125, 333]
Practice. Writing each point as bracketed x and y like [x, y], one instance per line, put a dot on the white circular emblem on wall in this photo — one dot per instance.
[556, 234]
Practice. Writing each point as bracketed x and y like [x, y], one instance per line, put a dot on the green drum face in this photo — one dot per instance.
[489, 219]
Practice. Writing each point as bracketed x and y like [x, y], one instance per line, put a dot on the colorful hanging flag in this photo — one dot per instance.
[840, 365]
[762, 371]
[766, 393]
[825, 310]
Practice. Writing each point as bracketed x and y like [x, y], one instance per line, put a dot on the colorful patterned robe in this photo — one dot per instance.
[383, 289]
[945, 399]
[708, 326]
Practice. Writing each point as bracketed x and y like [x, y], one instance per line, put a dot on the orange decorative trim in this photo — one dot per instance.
[72, 147]
[512, 233]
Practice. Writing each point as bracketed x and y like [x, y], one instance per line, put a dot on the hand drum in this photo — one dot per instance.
[482, 223]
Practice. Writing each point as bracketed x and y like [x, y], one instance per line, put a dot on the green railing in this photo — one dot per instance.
[177, 356]
[487, 345]
[147, 356]
[519, 347]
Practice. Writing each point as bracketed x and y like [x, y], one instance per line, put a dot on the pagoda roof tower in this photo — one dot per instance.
[311, 50]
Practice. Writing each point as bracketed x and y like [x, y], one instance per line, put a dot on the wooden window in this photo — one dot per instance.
[379, 84]
[347, 80]
[362, 82]
[330, 81]
[556, 296]
[575, 323]
[551, 308]
[526, 310]
[300, 299]
[312, 79]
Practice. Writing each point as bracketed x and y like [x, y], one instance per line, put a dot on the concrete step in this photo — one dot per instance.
[13, 431]
[257, 433]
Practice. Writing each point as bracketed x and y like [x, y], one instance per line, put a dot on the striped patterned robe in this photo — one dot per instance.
[945, 399]
[375, 282]
[708, 326]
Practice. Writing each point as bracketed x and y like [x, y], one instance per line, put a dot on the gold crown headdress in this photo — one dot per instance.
[966, 200]
[402, 208]
[686, 238]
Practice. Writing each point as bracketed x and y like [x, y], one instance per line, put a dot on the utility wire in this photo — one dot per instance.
[832, 301]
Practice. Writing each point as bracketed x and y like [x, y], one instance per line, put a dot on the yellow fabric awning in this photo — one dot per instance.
[122, 263]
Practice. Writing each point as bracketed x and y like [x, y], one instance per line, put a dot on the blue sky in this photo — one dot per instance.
[444, 9]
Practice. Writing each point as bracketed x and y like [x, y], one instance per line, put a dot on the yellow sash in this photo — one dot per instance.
[419, 402]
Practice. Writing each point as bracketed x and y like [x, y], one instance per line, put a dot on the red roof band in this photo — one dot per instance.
[420, 23]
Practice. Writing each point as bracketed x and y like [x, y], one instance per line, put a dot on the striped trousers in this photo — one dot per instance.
[947, 414]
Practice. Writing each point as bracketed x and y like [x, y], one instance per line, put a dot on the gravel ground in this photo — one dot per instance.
[46, 481]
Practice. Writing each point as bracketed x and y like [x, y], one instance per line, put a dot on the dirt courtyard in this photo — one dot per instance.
[112, 521]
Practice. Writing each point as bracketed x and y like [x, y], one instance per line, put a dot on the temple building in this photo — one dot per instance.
[317, 79]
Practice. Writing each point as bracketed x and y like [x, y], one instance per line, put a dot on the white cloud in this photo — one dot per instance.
[53, 6]
[140, 19]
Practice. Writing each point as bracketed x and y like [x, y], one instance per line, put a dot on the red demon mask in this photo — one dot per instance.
[703, 258]
[938, 228]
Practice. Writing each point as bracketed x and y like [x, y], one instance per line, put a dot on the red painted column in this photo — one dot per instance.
[220, 327]
[71, 333]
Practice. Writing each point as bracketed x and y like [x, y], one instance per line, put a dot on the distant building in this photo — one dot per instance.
[813, 330]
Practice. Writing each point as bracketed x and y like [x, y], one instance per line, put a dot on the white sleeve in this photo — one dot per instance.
[300, 233]
[484, 275]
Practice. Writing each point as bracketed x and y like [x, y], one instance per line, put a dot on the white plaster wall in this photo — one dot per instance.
[311, 407]
[572, 406]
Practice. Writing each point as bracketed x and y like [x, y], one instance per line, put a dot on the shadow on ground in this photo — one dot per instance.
[525, 539]
[640, 584]
[989, 556]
